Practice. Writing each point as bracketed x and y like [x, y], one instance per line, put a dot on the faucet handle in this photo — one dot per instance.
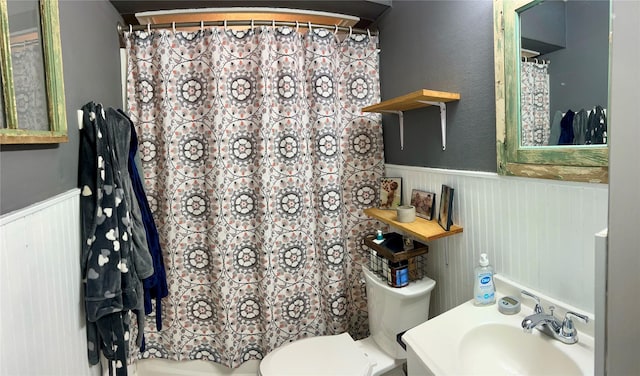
[538, 307]
[567, 325]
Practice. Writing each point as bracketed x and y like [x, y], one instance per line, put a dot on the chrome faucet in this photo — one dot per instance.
[548, 324]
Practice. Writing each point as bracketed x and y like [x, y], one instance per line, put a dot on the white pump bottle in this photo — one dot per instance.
[484, 291]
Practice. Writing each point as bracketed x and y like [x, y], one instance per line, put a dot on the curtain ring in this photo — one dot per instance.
[350, 31]
[252, 25]
[201, 25]
[149, 28]
[225, 25]
[369, 33]
[173, 26]
[335, 31]
[130, 28]
[309, 23]
[273, 24]
[297, 26]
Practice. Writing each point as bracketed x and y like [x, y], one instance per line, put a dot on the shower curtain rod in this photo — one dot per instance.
[173, 25]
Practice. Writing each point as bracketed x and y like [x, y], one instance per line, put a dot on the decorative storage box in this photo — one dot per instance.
[389, 259]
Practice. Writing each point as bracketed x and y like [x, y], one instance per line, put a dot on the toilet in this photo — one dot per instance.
[391, 311]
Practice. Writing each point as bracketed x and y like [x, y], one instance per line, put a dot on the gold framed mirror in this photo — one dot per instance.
[33, 107]
[516, 154]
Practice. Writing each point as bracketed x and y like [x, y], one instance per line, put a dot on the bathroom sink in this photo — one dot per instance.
[512, 352]
[470, 340]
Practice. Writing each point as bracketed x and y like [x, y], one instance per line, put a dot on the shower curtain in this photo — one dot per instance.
[534, 103]
[257, 162]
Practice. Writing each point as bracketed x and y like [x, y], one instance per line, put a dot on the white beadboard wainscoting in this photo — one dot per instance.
[41, 315]
[537, 232]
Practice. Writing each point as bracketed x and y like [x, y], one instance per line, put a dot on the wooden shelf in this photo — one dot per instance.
[421, 229]
[417, 99]
[413, 101]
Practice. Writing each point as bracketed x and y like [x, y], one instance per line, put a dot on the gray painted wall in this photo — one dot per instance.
[542, 27]
[623, 306]
[445, 46]
[579, 73]
[33, 173]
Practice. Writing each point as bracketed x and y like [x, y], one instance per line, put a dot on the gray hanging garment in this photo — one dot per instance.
[106, 258]
[580, 121]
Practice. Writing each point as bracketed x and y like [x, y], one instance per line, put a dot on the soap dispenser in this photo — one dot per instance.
[484, 291]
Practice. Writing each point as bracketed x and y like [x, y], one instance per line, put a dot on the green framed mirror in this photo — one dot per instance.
[537, 116]
[33, 107]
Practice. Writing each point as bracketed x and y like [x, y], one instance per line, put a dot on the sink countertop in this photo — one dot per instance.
[437, 342]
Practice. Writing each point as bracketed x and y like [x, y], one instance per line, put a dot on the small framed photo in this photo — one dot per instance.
[390, 192]
[407, 243]
[424, 203]
[445, 218]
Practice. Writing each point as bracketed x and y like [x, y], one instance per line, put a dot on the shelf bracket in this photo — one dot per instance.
[401, 121]
[443, 120]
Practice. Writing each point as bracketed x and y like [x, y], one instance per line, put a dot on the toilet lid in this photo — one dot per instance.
[325, 355]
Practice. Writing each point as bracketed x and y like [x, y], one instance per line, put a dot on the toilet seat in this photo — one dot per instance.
[324, 355]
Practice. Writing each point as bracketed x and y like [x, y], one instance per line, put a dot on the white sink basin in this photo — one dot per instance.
[511, 352]
[470, 340]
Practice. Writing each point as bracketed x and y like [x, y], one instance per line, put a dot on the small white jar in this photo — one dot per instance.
[406, 213]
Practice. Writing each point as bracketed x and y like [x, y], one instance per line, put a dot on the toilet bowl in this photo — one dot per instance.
[391, 311]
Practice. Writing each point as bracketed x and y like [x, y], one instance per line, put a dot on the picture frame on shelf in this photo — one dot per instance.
[445, 215]
[407, 243]
[424, 202]
[390, 192]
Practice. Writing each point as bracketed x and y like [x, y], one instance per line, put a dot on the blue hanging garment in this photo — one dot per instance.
[566, 129]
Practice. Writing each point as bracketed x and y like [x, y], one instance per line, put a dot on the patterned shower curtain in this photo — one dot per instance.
[534, 104]
[258, 163]
[29, 85]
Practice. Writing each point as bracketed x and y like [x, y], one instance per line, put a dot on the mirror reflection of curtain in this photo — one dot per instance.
[534, 103]
[28, 81]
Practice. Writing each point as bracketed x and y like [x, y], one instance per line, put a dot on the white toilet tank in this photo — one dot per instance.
[394, 310]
